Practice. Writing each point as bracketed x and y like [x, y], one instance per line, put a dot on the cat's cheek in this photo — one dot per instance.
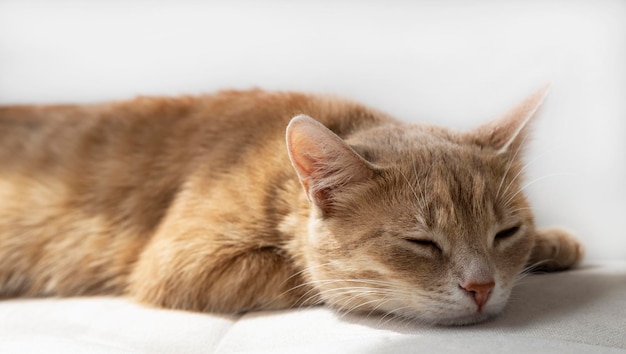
[320, 241]
[512, 258]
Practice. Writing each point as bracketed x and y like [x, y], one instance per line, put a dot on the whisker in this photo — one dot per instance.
[423, 202]
[411, 188]
[357, 306]
[519, 209]
[326, 281]
[352, 280]
[384, 300]
[306, 269]
[528, 270]
[526, 165]
[508, 167]
[510, 199]
[299, 285]
[314, 292]
[396, 314]
[339, 301]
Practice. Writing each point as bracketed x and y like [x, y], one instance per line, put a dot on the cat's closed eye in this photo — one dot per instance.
[508, 232]
[424, 243]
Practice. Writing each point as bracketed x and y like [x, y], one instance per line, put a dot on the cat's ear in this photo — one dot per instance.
[323, 161]
[509, 131]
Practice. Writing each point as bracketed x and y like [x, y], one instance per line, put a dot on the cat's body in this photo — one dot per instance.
[193, 203]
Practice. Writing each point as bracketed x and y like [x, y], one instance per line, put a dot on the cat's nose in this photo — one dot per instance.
[479, 291]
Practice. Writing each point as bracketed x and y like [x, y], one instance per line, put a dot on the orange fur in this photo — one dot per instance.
[192, 203]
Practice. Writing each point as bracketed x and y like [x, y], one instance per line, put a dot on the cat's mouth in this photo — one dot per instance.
[464, 317]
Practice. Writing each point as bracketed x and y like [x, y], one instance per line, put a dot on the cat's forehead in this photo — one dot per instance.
[417, 144]
[438, 174]
[445, 180]
[404, 134]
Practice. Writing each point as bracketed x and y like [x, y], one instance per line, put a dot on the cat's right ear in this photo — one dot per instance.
[323, 161]
[508, 132]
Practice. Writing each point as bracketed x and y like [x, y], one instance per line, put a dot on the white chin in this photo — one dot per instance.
[451, 319]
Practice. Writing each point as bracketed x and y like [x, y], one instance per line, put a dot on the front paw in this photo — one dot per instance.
[555, 249]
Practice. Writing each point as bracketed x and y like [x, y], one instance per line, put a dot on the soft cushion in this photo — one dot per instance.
[578, 311]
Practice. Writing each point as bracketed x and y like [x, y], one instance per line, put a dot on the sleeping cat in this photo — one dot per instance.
[197, 203]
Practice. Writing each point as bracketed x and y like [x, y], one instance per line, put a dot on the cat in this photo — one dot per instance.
[201, 203]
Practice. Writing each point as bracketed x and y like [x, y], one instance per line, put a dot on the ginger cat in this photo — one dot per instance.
[197, 203]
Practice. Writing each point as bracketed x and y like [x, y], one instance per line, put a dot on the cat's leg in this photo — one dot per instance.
[191, 273]
[554, 249]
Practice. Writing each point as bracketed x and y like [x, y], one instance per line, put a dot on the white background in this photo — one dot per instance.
[454, 63]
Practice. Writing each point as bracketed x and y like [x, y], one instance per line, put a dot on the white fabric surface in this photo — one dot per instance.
[580, 311]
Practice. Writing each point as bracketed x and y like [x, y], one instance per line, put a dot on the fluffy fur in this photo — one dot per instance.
[197, 203]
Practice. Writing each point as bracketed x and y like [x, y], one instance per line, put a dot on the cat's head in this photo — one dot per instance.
[417, 221]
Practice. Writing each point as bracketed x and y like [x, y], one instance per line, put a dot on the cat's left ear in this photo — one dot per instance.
[324, 162]
[507, 133]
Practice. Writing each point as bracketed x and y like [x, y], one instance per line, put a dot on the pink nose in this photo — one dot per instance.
[479, 291]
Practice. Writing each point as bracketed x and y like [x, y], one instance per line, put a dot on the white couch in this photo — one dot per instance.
[581, 311]
[454, 63]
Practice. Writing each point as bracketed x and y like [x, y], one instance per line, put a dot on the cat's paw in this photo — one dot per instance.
[555, 249]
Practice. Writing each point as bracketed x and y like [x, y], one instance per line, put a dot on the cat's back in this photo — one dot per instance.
[169, 124]
[118, 127]
[133, 144]
[98, 179]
